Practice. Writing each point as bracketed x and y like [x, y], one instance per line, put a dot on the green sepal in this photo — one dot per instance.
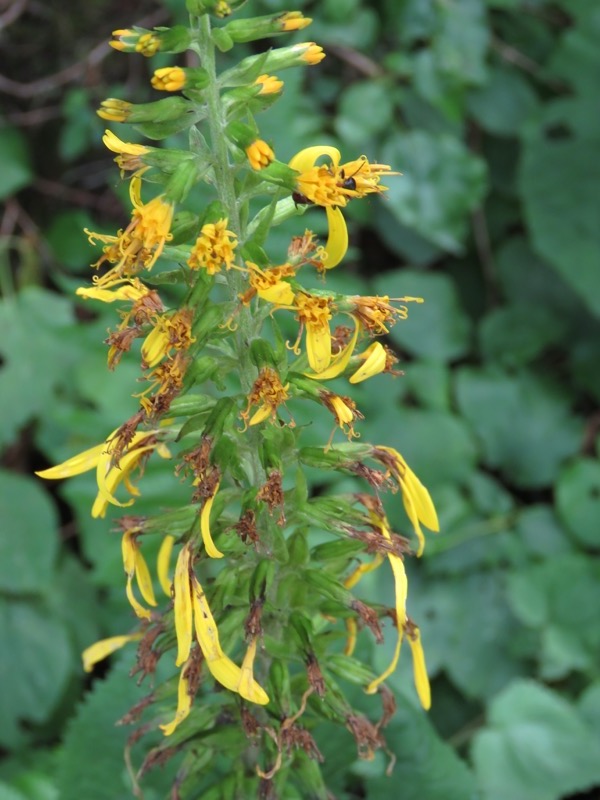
[221, 416]
[201, 288]
[214, 212]
[241, 134]
[279, 686]
[306, 775]
[207, 324]
[261, 354]
[194, 424]
[350, 669]
[181, 181]
[261, 579]
[251, 251]
[298, 549]
[221, 39]
[303, 630]
[176, 523]
[202, 369]
[190, 404]
[327, 586]
[226, 454]
[251, 29]
[336, 550]
[184, 227]
[336, 456]
[173, 40]
[167, 109]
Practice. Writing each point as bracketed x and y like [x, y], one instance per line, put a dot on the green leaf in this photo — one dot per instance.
[578, 500]
[429, 383]
[36, 663]
[438, 328]
[505, 103]
[426, 766]
[67, 238]
[28, 535]
[87, 769]
[355, 128]
[559, 598]
[559, 183]
[515, 335]
[524, 424]
[441, 183]
[540, 531]
[33, 325]
[16, 166]
[536, 746]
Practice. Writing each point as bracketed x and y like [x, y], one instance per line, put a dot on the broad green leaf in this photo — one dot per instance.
[540, 531]
[36, 663]
[355, 128]
[437, 329]
[28, 535]
[68, 240]
[559, 182]
[16, 167]
[589, 707]
[516, 335]
[429, 383]
[536, 746]
[578, 500]
[441, 183]
[504, 104]
[559, 598]
[524, 424]
[37, 355]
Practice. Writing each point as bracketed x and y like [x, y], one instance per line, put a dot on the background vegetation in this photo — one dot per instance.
[490, 110]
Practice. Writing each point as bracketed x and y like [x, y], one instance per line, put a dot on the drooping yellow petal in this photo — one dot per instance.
[109, 477]
[163, 562]
[372, 687]
[318, 346]
[422, 501]
[104, 648]
[184, 703]
[373, 364]
[206, 628]
[352, 631]
[75, 465]
[280, 294]
[338, 362]
[210, 546]
[336, 246]
[361, 570]
[248, 688]
[182, 605]
[144, 581]
[420, 669]
[260, 415]
[306, 158]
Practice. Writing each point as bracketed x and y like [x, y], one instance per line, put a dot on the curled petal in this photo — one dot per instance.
[104, 648]
[419, 669]
[210, 546]
[184, 703]
[306, 158]
[248, 688]
[374, 363]
[75, 465]
[338, 362]
[337, 241]
[318, 347]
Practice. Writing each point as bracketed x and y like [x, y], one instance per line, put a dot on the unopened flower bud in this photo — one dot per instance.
[148, 43]
[252, 28]
[177, 79]
[171, 108]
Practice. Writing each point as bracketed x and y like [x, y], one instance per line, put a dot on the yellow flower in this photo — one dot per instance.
[270, 84]
[141, 243]
[293, 21]
[185, 698]
[168, 79]
[115, 290]
[108, 474]
[260, 155]
[331, 186]
[269, 284]
[163, 562]
[128, 154]
[268, 393]
[134, 564]
[310, 52]
[314, 314]
[419, 667]
[127, 40]
[170, 332]
[114, 110]
[214, 248]
[344, 410]
[417, 500]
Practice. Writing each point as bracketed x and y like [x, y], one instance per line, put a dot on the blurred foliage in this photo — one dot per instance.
[489, 109]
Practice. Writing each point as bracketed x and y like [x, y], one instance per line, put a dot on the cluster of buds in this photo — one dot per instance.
[260, 614]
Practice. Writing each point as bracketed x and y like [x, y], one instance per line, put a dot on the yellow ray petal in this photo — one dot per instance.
[338, 362]
[144, 581]
[306, 158]
[75, 465]
[104, 648]
[248, 688]
[163, 562]
[419, 669]
[373, 364]
[337, 241]
[211, 548]
[206, 628]
[318, 347]
[184, 704]
[182, 603]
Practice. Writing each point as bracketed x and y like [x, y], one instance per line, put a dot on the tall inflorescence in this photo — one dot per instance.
[254, 600]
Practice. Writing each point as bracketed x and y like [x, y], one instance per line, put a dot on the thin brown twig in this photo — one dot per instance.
[14, 11]
[359, 61]
[513, 56]
[74, 71]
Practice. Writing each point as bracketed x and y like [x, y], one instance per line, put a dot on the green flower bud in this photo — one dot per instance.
[261, 354]
[202, 369]
[253, 28]
[241, 134]
[279, 686]
[296, 55]
[218, 8]
[184, 226]
[337, 550]
[298, 549]
[327, 586]
[147, 43]
[261, 579]
[207, 324]
[183, 179]
[190, 404]
[303, 629]
[350, 669]
[220, 417]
